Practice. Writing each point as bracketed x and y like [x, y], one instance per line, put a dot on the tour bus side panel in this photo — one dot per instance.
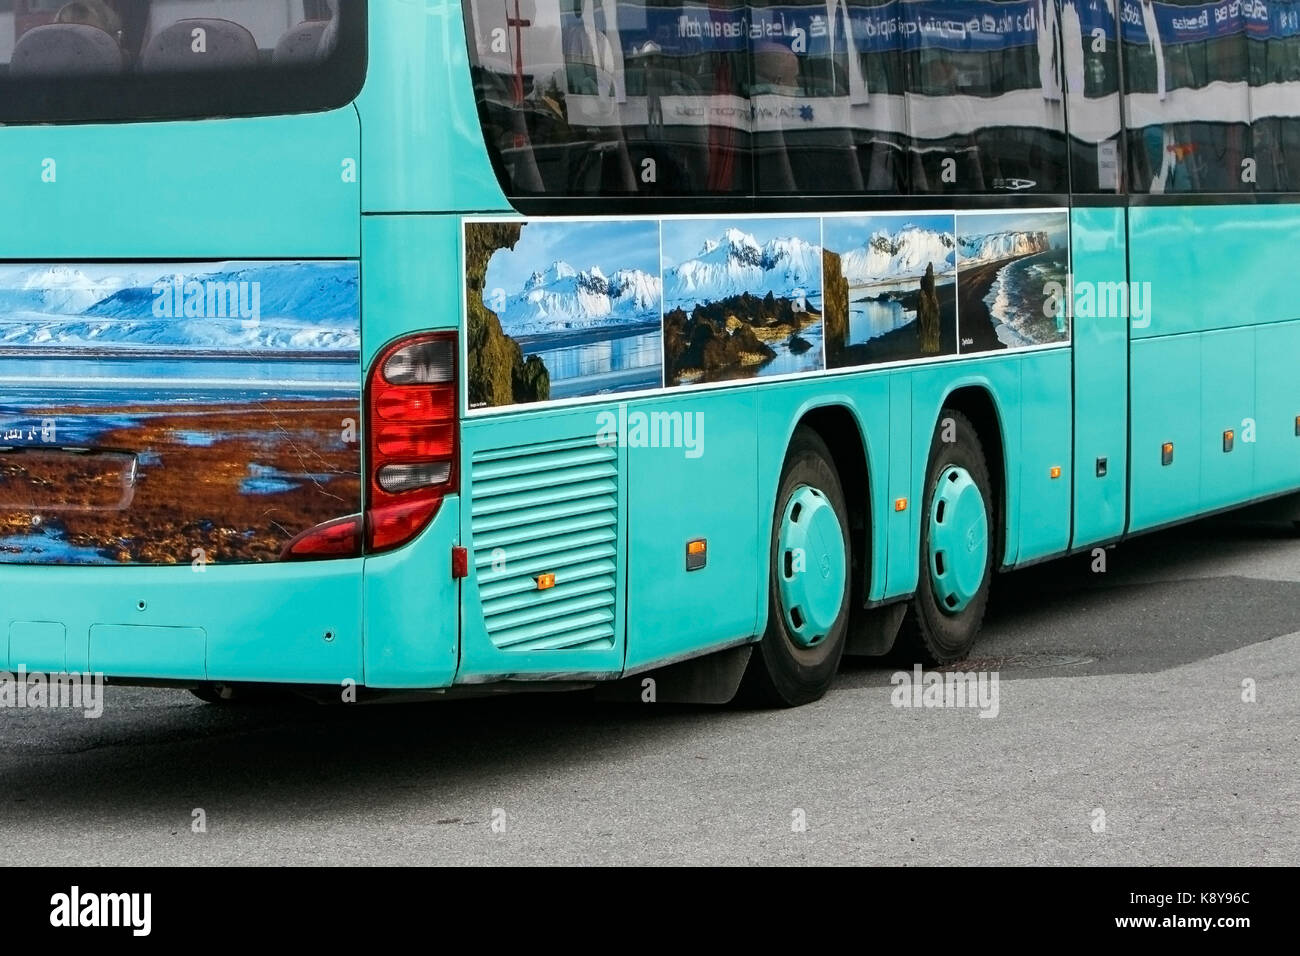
[702, 491]
[1101, 352]
[410, 283]
[1277, 408]
[424, 144]
[865, 398]
[545, 494]
[1202, 365]
[1166, 409]
[1046, 453]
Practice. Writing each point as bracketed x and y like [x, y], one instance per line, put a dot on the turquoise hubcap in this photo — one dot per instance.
[959, 540]
[811, 568]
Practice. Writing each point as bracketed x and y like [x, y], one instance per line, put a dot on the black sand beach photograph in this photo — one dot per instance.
[1006, 263]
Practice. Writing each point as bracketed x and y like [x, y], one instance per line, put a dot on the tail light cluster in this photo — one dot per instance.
[412, 427]
[411, 445]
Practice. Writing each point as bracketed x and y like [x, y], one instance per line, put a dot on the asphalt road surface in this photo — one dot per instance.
[1121, 737]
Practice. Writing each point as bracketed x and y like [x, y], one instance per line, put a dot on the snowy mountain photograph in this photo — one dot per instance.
[584, 298]
[891, 250]
[155, 411]
[1006, 263]
[742, 298]
[182, 308]
[890, 288]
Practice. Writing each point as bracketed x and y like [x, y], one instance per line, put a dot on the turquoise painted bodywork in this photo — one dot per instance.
[674, 498]
[236, 623]
[1166, 404]
[1219, 353]
[1277, 408]
[905, 470]
[413, 280]
[424, 146]
[1212, 267]
[1101, 356]
[266, 187]
[1046, 413]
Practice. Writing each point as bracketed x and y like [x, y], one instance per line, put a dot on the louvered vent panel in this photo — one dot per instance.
[547, 508]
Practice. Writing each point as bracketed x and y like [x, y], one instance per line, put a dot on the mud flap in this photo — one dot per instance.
[712, 679]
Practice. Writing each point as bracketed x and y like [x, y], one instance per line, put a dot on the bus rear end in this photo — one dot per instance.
[185, 383]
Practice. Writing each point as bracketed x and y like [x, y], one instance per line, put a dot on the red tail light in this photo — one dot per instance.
[411, 428]
[340, 538]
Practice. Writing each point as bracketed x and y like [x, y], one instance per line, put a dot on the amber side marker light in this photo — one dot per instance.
[545, 581]
[900, 504]
[1056, 472]
[697, 554]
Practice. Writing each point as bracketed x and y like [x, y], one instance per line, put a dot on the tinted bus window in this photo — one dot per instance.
[87, 60]
[1090, 45]
[1213, 95]
[591, 97]
[985, 106]
[770, 97]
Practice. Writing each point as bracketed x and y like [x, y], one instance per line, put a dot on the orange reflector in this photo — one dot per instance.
[545, 581]
[695, 547]
[1056, 471]
[900, 504]
[1169, 448]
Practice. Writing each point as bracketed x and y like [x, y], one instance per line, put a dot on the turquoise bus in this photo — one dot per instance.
[457, 347]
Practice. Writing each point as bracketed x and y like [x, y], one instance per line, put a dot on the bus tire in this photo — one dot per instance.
[808, 581]
[959, 540]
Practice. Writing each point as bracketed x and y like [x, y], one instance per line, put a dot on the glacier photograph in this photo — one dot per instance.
[1006, 265]
[890, 288]
[742, 298]
[199, 416]
[581, 300]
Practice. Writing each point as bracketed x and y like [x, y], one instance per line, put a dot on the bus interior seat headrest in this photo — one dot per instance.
[225, 45]
[66, 49]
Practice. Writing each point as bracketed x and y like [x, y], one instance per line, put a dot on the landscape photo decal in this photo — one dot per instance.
[891, 288]
[1007, 265]
[742, 298]
[568, 309]
[176, 413]
[561, 309]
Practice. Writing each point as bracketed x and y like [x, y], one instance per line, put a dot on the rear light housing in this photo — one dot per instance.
[412, 437]
[412, 442]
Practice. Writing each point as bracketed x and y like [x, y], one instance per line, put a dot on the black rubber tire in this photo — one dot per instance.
[780, 673]
[931, 635]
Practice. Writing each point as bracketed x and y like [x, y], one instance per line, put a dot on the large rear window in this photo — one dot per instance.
[106, 60]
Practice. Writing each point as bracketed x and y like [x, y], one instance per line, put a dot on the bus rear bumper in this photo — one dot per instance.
[386, 621]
